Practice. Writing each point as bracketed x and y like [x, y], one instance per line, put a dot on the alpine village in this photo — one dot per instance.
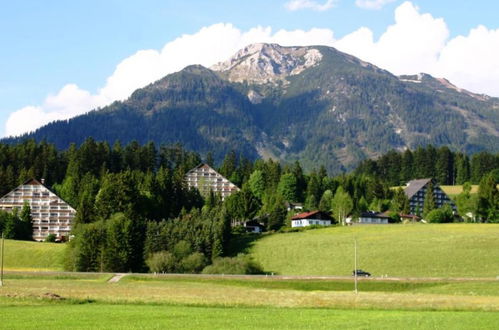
[304, 169]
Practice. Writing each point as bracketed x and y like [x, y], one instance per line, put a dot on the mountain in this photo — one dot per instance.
[314, 104]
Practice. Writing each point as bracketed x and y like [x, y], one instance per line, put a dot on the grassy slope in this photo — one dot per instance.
[149, 301]
[456, 190]
[440, 250]
[23, 255]
[184, 317]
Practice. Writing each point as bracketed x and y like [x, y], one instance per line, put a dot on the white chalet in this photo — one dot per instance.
[311, 218]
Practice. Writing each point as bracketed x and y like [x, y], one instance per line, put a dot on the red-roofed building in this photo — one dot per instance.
[311, 218]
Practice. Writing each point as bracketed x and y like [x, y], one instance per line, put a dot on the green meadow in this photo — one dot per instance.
[80, 301]
[425, 297]
[412, 250]
[33, 256]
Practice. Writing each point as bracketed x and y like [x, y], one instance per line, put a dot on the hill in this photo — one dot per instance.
[33, 256]
[450, 250]
[315, 104]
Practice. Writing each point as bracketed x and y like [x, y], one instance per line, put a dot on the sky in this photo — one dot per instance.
[59, 59]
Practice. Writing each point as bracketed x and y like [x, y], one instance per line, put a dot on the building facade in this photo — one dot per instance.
[370, 218]
[311, 218]
[206, 179]
[416, 191]
[50, 214]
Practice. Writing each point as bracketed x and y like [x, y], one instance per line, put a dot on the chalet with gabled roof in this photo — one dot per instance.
[311, 218]
[416, 191]
[50, 213]
[206, 179]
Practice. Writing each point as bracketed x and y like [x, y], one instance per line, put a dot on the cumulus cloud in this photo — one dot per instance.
[372, 4]
[208, 46]
[412, 44]
[309, 4]
[416, 42]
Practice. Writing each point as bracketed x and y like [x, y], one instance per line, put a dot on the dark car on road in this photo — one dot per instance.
[360, 272]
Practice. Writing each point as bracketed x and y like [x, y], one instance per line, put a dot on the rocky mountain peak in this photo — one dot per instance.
[268, 63]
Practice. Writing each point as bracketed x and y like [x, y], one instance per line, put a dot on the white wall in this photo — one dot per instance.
[309, 222]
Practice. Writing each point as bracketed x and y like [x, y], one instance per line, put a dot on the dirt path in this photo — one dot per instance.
[116, 278]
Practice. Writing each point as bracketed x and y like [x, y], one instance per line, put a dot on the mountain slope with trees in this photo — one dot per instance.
[334, 110]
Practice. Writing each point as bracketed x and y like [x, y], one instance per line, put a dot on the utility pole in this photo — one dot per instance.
[355, 264]
[1, 262]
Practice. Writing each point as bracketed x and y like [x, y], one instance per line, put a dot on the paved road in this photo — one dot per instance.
[117, 276]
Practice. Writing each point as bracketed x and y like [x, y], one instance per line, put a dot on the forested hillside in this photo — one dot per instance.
[334, 111]
[135, 212]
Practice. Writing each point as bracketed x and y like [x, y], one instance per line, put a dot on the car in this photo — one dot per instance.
[360, 272]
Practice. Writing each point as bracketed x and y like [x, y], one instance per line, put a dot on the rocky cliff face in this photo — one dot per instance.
[267, 63]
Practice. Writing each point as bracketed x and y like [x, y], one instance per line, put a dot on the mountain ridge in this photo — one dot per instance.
[313, 103]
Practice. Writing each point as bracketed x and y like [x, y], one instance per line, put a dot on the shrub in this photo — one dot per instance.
[50, 238]
[242, 264]
[193, 263]
[161, 262]
[441, 215]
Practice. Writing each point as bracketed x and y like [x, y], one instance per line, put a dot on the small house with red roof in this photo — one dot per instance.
[311, 218]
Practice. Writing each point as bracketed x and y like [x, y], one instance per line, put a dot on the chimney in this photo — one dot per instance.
[42, 181]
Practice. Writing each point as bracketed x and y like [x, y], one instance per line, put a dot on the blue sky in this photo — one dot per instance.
[58, 55]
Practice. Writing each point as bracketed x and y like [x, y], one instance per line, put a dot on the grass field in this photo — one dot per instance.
[456, 190]
[36, 256]
[97, 316]
[415, 250]
[81, 301]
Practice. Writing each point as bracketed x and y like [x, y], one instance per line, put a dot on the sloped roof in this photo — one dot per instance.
[414, 186]
[206, 166]
[34, 181]
[308, 215]
[371, 214]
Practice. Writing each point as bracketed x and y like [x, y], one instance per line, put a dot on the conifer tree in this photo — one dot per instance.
[429, 200]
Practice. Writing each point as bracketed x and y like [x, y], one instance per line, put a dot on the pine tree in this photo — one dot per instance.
[429, 200]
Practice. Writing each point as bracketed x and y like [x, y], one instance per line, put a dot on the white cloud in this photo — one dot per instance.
[372, 4]
[471, 61]
[416, 42]
[206, 47]
[309, 4]
[412, 44]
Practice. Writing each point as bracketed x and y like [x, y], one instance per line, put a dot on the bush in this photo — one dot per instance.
[242, 264]
[161, 262]
[193, 263]
[50, 238]
[441, 215]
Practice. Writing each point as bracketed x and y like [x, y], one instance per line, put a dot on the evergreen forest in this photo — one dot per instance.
[136, 213]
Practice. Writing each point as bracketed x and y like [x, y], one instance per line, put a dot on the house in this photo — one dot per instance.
[293, 206]
[311, 218]
[50, 214]
[416, 191]
[409, 217]
[371, 217]
[253, 226]
[204, 178]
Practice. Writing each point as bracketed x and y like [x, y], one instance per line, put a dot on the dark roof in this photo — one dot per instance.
[414, 186]
[409, 216]
[374, 215]
[253, 223]
[307, 215]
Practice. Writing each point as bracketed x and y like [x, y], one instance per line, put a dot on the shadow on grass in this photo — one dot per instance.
[241, 243]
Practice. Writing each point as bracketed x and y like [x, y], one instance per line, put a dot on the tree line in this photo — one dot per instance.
[446, 166]
[136, 213]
